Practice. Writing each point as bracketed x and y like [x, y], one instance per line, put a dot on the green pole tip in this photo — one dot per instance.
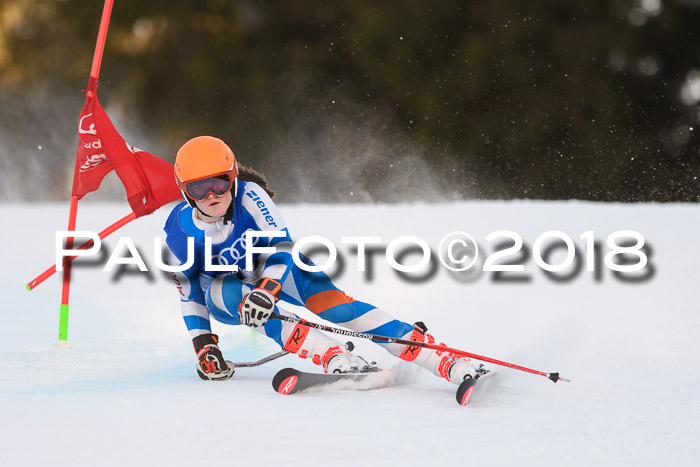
[28, 288]
[63, 323]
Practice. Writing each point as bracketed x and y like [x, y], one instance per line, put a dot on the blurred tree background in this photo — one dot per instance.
[372, 101]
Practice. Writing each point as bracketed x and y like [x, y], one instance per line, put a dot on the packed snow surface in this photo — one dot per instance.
[125, 392]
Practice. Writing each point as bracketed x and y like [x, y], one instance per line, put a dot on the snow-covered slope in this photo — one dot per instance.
[125, 391]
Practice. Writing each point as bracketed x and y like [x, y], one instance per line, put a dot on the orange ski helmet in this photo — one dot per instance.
[205, 165]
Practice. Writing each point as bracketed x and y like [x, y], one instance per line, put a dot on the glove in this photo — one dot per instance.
[212, 365]
[256, 307]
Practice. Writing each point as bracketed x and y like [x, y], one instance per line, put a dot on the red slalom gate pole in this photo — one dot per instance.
[94, 73]
[69, 259]
[393, 340]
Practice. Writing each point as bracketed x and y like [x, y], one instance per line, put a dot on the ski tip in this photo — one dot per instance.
[465, 391]
[285, 380]
[467, 395]
[288, 385]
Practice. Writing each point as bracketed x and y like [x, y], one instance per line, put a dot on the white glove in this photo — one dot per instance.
[256, 307]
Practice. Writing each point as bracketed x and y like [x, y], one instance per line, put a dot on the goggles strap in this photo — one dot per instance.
[234, 192]
[229, 212]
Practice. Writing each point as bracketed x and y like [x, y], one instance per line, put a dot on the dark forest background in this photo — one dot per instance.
[371, 101]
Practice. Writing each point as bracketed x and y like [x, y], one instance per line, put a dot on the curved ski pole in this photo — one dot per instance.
[393, 340]
[274, 356]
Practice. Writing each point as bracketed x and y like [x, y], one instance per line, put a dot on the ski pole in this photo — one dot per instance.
[394, 340]
[274, 356]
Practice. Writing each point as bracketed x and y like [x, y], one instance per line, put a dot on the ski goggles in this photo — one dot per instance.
[200, 189]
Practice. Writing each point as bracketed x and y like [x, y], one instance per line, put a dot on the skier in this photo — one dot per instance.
[223, 201]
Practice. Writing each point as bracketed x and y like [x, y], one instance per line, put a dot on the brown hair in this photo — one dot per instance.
[246, 174]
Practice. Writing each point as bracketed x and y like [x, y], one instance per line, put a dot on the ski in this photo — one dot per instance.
[293, 381]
